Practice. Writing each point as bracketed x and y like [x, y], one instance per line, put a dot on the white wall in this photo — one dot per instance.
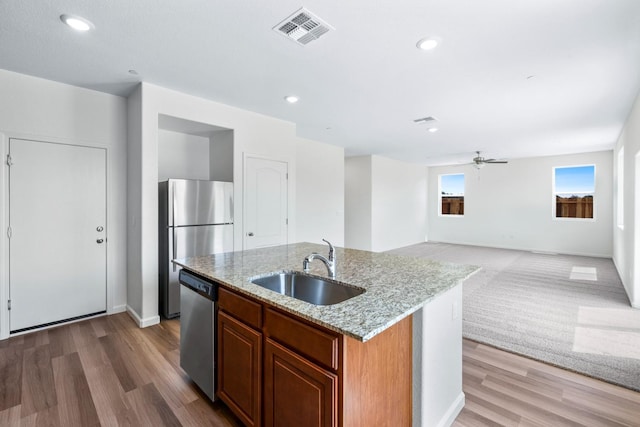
[510, 206]
[319, 192]
[44, 110]
[221, 155]
[182, 156]
[134, 203]
[357, 202]
[249, 133]
[385, 203]
[626, 241]
[252, 134]
[398, 204]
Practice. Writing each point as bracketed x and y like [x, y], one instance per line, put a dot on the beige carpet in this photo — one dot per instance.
[569, 311]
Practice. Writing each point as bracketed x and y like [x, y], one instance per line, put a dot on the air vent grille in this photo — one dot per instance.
[302, 27]
[422, 120]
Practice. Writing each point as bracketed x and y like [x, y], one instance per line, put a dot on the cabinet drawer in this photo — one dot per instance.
[250, 312]
[319, 345]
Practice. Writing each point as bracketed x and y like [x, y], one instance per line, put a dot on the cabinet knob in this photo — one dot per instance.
[250, 234]
[99, 241]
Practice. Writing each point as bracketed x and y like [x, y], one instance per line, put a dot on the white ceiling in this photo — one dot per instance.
[512, 78]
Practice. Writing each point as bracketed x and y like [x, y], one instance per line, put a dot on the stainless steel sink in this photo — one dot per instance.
[313, 289]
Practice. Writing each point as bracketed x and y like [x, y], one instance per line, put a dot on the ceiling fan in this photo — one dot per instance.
[479, 161]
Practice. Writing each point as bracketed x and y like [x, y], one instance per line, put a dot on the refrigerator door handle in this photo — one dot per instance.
[173, 228]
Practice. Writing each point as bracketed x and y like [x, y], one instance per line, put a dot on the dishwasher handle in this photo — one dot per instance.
[202, 286]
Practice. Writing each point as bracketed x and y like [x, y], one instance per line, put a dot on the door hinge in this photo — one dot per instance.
[9, 232]
[9, 304]
[9, 160]
[286, 221]
[287, 175]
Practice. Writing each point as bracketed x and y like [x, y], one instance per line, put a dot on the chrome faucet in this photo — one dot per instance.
[329, 262]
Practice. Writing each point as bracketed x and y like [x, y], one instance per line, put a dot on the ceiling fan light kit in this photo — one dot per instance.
[478, 162]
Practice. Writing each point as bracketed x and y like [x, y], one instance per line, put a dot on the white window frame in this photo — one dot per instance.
[554, 193]
[440, 195]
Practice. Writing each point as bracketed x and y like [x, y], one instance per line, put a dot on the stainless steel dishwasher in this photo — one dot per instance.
[197, 330]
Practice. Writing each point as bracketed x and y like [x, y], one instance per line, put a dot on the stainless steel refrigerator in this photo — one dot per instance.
[196, 218]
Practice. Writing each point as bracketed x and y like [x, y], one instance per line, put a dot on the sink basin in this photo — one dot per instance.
[313, 289]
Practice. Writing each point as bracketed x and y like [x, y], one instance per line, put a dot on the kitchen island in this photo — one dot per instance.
[395, 288]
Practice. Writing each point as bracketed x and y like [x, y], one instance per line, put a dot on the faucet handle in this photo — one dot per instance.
[331, 250]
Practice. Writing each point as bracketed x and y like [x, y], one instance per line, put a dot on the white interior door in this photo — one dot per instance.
[57, 218]
[266, 202]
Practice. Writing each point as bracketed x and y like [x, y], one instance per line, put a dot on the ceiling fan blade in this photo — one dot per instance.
[478, 161]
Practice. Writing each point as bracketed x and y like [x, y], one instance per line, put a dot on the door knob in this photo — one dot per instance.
[99, 241]
[250, 234]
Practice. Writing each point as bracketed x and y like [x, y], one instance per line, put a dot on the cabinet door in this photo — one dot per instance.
[266, 202]
[297, 392]
[240, 368]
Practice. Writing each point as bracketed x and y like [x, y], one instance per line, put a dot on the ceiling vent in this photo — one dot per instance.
[302, 27]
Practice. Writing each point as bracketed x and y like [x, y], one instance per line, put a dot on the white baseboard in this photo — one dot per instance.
[625, 283]
[143, 323]
[118, 309]
[453, 411]
[524, 249]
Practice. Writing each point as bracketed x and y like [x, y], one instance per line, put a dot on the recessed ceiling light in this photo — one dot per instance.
[433, 130]
[291, 99]
[76, 22]
[428, 43]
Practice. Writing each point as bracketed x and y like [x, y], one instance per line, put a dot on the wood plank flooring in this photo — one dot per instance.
[504, 389]
[102, 372]
[106, 371]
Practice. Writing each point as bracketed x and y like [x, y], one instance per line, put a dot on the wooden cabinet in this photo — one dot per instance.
[319, 345]
[296, 391]
[278, 370]
[240, 358]
[300, 373]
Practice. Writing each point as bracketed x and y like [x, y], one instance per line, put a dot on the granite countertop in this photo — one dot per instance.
[396, 286]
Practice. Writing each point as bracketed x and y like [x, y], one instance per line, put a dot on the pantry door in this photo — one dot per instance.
[58, 236]
[266, 202]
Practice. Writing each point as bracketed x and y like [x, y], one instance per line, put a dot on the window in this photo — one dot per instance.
[620, 206]
[451, 194]
[574, 188]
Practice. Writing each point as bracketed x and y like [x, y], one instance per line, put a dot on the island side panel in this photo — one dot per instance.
[377, 376]
[437, 361]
